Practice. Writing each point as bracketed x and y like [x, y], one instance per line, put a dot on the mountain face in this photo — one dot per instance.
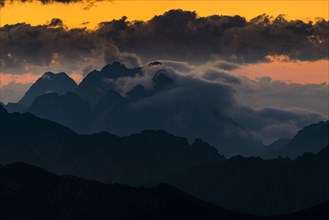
[28, 192]
[312, 138]
[69, 110]
[49, 83]
[134, 159]
[97, 83]
[263, 187]
[157, 103]
[271, 150]
[15, 107]
[161, 100]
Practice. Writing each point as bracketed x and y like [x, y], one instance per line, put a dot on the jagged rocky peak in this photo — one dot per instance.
[59, 83]
[114, 66]
[117, 69]
[161, 80]
[137, 92]
[51, 75]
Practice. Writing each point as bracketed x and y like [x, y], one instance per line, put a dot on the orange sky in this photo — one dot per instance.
[296, 72]
[5, 79]
[36, 13]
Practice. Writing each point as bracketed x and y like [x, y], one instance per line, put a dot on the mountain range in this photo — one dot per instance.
[97, 104]
[28, 192]
[250, 185]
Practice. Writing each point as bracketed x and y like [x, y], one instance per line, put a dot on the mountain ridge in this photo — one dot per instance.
[153, 157]
[30, 192]
[49, 82]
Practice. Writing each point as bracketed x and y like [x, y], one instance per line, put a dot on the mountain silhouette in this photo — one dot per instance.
[161, 81]
[28, 192]
[263, 187]
[250, 185]
[312, 138]
[69, 110]
[50, 82]
[135, 159]
[97, 83]
[160, 104]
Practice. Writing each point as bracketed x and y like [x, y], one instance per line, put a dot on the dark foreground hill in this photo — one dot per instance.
[27, 192]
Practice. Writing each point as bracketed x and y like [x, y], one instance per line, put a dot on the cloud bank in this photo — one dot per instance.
[27, 48]
[175, 35]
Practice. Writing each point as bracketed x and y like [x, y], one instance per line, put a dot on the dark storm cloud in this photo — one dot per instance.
[183, 35]
[3, 2]
[175, 35]
[56, 22]
[26, 48]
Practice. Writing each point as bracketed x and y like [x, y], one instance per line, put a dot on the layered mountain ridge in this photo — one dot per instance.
[251, 185]
[40, 195]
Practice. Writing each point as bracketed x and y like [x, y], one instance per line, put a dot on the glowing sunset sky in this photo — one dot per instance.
[37, 13]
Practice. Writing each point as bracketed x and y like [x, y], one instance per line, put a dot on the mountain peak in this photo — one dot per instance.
[51, 75]
[59, 83]
[117, 70]
[114, 66]
[96, 84]
[161, 80]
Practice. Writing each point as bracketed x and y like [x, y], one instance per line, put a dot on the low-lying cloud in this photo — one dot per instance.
[198, 107]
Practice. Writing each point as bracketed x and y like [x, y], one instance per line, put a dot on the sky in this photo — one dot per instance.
[284, 41]
[37, 13]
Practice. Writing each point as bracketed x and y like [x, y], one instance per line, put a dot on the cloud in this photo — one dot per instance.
[270, 124]
[56, 22]
[88, 2]
[264, 92]
[195, 107]
[13, 92]
[189, 103]
[183, 35]
[53, 47]
[177, 35]
[213, 74]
